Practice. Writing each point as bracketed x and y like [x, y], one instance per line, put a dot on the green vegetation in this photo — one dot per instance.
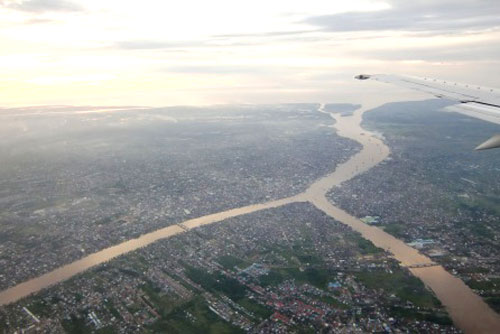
[309, 259]
[318, 277]
[302, 330]
[314, 276]
[216, 282]
[477, 228]
[78, 297]
[3, 325]
[130, 272]
[274, 277]
[367, 247]
[229, 262]
[112, 309]
[331, 301]
[39, 308]
[494, 302]
[438, 318]
[395, 229]
[489, 291]
[257, 309]
[401, 284]
[484, 285]
[304, 253]
[75, 325]
[179, 280]
[471, 269]
[162, 303]
[203, 320]
[106, 330]
[286, 252]
[488, 203]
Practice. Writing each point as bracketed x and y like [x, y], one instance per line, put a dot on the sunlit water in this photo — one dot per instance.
[467, 310]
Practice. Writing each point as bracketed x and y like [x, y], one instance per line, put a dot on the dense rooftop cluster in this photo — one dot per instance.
[284, 270]
[77, 182]
[436, 188]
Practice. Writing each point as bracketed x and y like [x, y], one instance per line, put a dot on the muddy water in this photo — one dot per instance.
[65, 272]
[467, 310]
[373, 152]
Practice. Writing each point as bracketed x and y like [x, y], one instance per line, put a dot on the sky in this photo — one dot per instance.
[160, 53]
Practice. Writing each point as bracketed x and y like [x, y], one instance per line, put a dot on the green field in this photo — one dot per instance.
[401, 284]
[203, 321]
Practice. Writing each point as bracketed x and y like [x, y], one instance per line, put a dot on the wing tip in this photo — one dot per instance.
[362, 76]
[493, 142]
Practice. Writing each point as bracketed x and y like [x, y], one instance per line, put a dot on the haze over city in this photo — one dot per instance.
[249, 167]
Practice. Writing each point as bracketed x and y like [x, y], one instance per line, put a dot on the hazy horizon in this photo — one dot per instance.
[220, 52]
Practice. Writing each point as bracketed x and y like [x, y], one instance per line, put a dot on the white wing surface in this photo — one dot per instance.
[473, 101]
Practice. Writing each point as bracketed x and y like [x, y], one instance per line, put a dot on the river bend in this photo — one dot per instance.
[468, 311]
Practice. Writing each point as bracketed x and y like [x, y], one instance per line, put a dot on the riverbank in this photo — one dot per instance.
[467, 310]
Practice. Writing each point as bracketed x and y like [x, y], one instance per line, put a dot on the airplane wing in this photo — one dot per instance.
[473, 101]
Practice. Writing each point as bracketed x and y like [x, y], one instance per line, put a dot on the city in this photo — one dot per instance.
[434, 192]
[261, 167]
[287, 269]
[137, 171]
[284, 270]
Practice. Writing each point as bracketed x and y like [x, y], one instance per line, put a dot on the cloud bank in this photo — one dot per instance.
[40, 6]
[419, 15]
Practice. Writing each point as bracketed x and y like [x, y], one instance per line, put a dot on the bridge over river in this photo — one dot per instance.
[468, 311]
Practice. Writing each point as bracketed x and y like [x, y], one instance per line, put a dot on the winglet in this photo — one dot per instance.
[493, 142]
[362, 77]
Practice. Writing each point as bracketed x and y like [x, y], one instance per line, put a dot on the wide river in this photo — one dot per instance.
[467, 309]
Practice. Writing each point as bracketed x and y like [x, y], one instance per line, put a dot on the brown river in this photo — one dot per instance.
[467, 310]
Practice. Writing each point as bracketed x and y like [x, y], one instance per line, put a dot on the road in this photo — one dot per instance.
[468, 311]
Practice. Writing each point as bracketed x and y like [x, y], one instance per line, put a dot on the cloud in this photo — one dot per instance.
[40, 6]
[473, 52]
[176, 45]
[222, 69]
[208, 69]
[417, 15]
[268, 34]
[152, 45]
[39, 21]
